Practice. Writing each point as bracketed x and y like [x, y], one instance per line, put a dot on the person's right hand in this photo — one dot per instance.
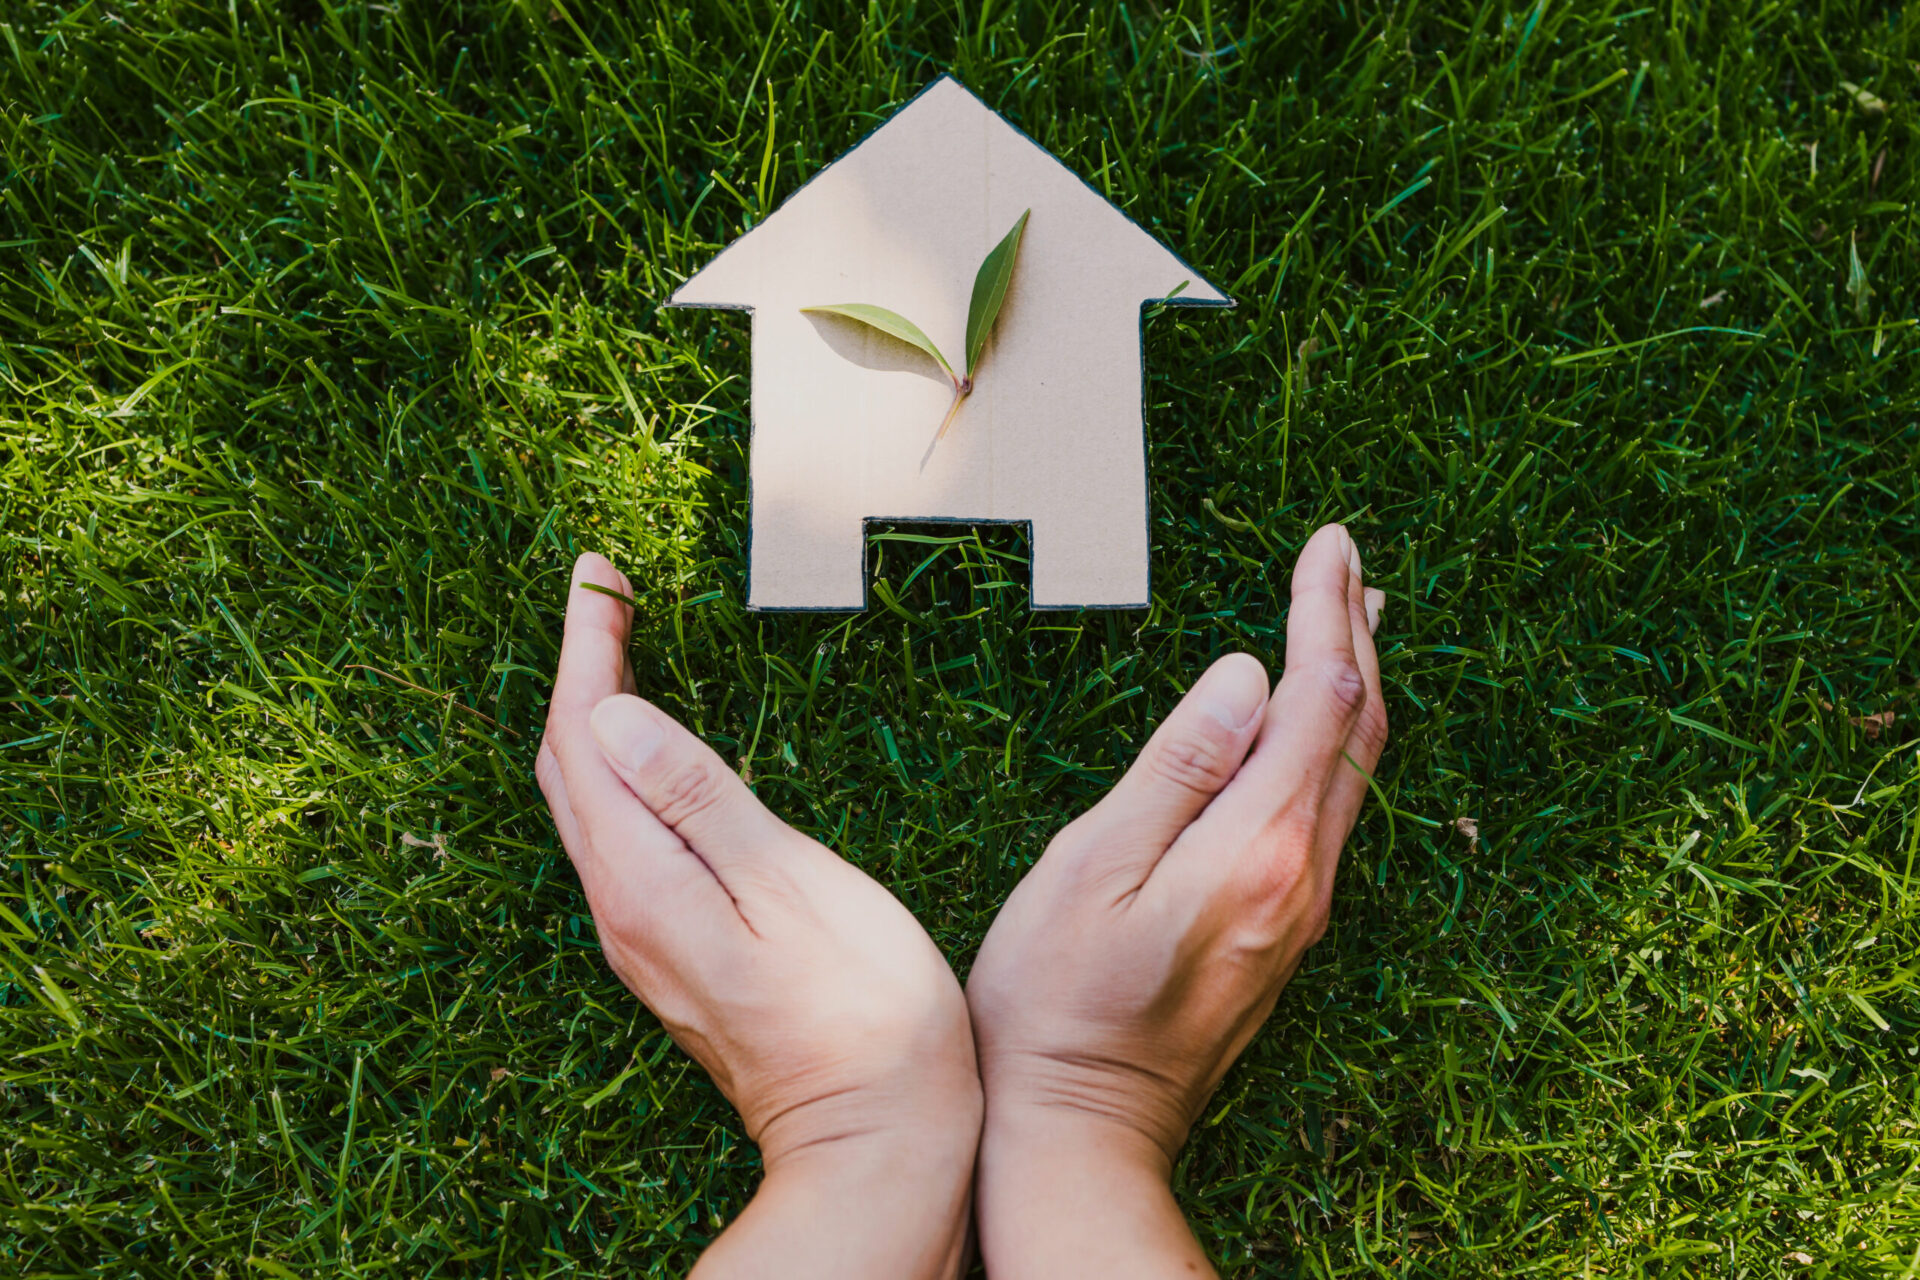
[1135, 961]
[810, 994]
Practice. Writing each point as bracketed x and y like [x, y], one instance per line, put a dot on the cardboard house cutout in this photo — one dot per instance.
[1053, 434]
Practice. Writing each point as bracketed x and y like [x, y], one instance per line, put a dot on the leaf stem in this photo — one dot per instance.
[961, 388]
[960, 392]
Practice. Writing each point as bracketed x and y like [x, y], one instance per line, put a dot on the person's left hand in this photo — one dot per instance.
[1139, 956]
[814, 999]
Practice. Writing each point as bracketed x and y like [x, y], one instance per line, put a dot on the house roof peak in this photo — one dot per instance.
[947, 168]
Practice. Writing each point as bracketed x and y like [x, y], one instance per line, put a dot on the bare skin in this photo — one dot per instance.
[814, 999]
[1120, 981]
[1136, 960]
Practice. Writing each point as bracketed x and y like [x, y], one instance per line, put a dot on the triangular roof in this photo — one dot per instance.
[967, 167]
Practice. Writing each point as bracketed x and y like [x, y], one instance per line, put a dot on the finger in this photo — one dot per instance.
[626, 872]
[1347, 792]
[546, 771]
[1189, 758]
[627, 860]
[659, 912]
[1313, 710]
[593, 654]
[686, 785]
[1322, 690]
[592, 665]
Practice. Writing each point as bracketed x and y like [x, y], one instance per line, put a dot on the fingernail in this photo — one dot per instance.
[625, 732]
[1353, 556]
[1375, 599]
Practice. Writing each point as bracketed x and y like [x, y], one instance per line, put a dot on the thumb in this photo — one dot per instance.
[684, 783]
[1192, 755]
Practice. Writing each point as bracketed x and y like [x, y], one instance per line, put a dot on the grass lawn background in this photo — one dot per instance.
[328, 336]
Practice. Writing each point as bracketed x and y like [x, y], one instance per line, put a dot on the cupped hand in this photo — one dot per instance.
[1135, 961]
[816, 1002]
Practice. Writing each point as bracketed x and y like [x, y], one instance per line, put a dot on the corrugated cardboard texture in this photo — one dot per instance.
[842, 415]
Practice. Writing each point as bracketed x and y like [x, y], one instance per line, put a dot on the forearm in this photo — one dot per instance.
[885, 1206]
[1060, 1195]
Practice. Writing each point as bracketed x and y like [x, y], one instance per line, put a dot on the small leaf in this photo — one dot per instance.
[1857, 287]
[990, 291]
[891, 323]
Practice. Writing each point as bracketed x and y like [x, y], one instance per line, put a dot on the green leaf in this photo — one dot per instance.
[989, 291]
[1857, 287]
[891, 323]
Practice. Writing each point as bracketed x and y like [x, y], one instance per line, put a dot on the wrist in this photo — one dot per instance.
[938, 1112]
[910, 1175]
[1133, 1112]
[935, 1134]
[1057, 1131]
[1065, 1192]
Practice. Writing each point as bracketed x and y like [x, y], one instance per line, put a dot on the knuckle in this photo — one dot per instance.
[1345, 685]
[1292, 903]
[546, 771]
[1284, 853]
[619, 917]
[1077, 843]
[1313, 925]
[1197, 759]
[565, 716]
[685, 792]
[1285, 890]
[1314, 585]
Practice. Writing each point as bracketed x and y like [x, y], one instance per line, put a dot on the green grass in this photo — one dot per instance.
[328, 336]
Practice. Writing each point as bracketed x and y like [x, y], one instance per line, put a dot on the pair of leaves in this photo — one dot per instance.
[990, 285]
